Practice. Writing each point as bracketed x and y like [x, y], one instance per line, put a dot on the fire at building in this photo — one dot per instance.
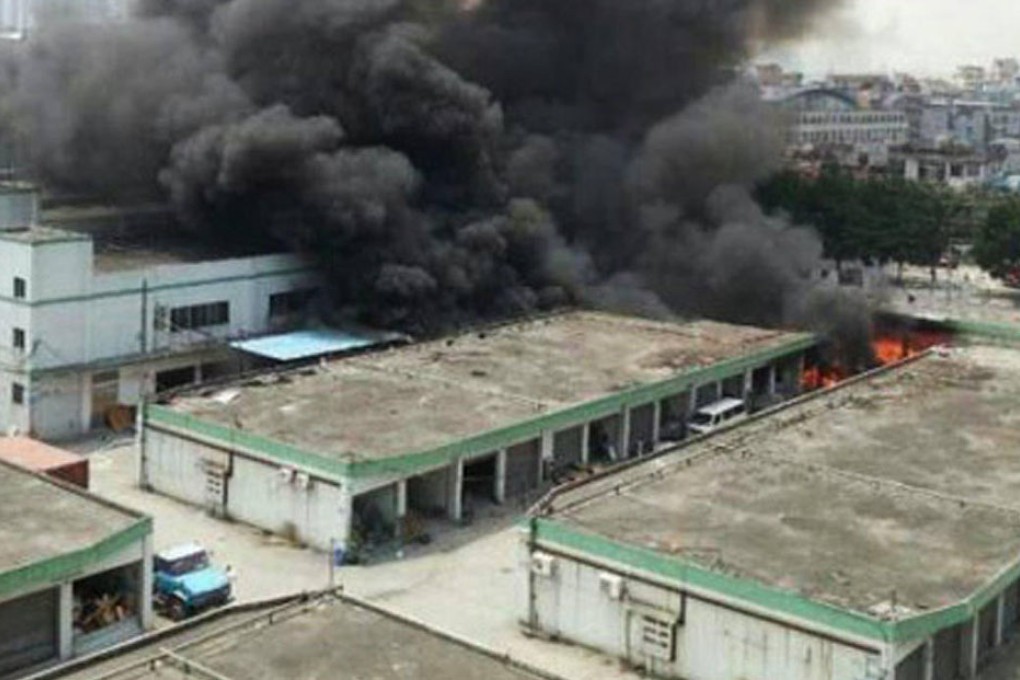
[892, 342]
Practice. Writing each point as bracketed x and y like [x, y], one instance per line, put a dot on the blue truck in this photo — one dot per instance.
[186, 582]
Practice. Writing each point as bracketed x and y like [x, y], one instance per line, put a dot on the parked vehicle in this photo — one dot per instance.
[186, 582]
[713, 416]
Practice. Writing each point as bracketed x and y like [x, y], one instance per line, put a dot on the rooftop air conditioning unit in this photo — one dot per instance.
[543, 565]
[611, 585]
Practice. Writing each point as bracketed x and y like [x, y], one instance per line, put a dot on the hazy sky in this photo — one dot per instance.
[928, 37]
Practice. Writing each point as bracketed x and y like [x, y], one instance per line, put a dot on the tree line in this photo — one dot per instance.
[876, 219]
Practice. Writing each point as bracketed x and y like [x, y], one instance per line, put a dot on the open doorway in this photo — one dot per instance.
[479, 486]
[106, 608]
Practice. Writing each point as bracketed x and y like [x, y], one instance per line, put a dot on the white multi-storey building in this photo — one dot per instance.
[88, 324]
[830, 120]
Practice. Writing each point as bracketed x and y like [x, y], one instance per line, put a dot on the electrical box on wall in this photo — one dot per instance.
[543, 565]
[611, 585]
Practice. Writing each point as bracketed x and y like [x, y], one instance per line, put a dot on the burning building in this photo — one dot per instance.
[869, 531]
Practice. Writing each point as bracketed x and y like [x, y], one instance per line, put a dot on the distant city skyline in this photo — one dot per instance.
[924, 37]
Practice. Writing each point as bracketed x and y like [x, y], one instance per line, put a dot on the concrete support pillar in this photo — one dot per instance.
[1000, 619]
[585, 443]
[624, 448]
[499, 493]
[692, 401]
[145, 584]
[400, 509]
[929, 659]
[801, 365]
[65, 621]
[656, 422]
[748, 384]
[456, 506]
[772, 380]
[969, 635]
[548, 454]
[346, 512]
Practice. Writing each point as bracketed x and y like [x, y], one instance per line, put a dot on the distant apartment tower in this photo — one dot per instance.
[93, 319]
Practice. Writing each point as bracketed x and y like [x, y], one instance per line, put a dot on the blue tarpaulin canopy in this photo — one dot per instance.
[311, 344]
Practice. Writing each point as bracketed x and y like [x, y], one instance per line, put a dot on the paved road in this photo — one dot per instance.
[465, 582]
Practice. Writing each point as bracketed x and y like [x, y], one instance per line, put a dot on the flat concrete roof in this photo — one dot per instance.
[908, 481]
[421, 397]
[40, 519]
[948, 424]
[127, 237]
[38, 234]
[845, 542]
[35, 455]
[327, 639]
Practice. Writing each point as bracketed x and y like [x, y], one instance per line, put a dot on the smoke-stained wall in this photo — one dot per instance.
[443, 161]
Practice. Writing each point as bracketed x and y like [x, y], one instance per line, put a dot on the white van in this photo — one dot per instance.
[711, 417]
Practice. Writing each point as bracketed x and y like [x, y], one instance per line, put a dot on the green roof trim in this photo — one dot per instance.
[349, 465]
[31, 577]
[789, 603]
[996, 331]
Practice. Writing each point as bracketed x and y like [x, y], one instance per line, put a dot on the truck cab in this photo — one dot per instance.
[186, 582]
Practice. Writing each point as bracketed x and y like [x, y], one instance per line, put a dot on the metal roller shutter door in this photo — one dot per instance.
[28, 630]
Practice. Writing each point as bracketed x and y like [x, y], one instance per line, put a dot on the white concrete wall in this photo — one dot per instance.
[256, 494]
[175, 466]
[713, 642]
[59, 405]
[103, 317]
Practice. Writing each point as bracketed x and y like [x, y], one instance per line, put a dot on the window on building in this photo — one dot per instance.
[20, 288]
[17, 393]
[199, 316]
[289, 303]
[18, 339]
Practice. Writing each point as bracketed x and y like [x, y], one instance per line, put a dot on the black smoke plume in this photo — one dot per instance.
[442, 161]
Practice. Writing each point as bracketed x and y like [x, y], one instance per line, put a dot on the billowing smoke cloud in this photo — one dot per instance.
[443, 161]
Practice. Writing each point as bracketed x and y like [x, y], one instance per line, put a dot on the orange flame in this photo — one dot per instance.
[888, 349]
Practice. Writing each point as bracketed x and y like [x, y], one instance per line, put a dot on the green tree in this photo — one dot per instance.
[997, 247]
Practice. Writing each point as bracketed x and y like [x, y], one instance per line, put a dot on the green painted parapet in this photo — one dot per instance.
[351, 465]
[32, 577]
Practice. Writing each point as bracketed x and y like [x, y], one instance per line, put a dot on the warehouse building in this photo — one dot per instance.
[872, 531]
[75, 571]
[372, 448]
[101, 306]
[304, 638]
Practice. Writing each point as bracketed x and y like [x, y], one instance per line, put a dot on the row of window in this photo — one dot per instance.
[853, 118]
[199, 316]
[890, 135]
[192, 317]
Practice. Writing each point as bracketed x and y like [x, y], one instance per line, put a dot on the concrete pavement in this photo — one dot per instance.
[465, 582]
